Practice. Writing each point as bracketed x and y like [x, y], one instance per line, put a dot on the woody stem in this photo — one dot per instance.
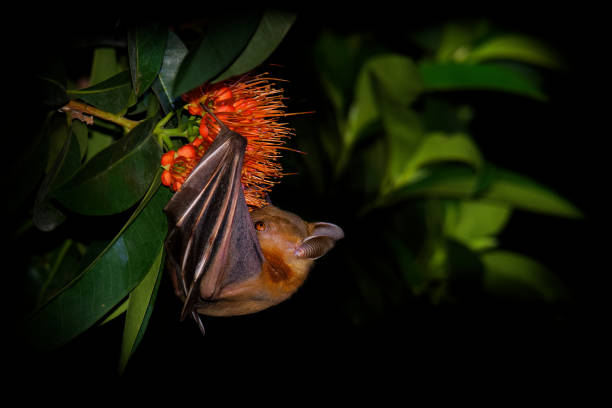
[79, 109]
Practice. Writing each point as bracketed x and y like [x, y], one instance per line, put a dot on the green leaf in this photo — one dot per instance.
[72, 159]
[448, 180]
[81, 133]
[60, 269]
[386, 78]
[492, 184]
[516, 48]
[368, 167]
[272, 28]
[516, 275]
[118, 269]
[117, 177]
[362, 112]
[339, 59]
[57, 134]
[404, 133]
[475, 223]
[96, 143]
[439, 181]
[63, 165]
[435, 148]
[521, 192]
[147, 105]
[225, 38]
[146, 46]
[439, 114]
[53, 93]
[441, 147]
[51, 83]
[112, 95]
[28, 166]
[100, 137]
[457, 39]
[118, 311]
[104, 65]
[45, 216]
[164, 83]
[390, 76]
[140, 307]
[486, 76]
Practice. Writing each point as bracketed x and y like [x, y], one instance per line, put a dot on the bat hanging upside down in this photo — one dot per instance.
[225, 261]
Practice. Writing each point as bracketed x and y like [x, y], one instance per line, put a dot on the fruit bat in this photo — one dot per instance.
[225, 260]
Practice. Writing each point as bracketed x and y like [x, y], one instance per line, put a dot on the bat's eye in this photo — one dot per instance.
[260, 226]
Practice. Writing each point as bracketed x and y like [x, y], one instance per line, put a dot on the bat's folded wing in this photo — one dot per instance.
[211, 241]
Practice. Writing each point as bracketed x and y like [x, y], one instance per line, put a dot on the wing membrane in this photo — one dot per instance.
[211, 241]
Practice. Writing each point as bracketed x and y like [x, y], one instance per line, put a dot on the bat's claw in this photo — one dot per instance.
[198, 320]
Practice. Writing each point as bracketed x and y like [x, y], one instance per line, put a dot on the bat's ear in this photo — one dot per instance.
[322, 238]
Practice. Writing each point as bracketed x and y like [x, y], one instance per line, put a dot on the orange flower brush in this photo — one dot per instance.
[250, 106]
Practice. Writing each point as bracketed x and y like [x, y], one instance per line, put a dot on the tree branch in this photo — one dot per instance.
[84, 113]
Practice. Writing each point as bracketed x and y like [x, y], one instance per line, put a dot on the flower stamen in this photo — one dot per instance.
[250, 105]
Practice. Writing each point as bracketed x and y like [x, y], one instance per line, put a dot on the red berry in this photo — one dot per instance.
[168, 158]
[187, 151]
[166, 178]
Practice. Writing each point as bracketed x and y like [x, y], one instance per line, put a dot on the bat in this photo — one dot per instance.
[224, 260]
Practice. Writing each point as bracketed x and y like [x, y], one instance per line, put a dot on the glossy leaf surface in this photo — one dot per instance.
[515, 275]
[104, 65]
[522, 192]
[146, 46]
[516, 48]
[392, 77]
[484, 77]
[46, 216]
[140, 306]
[111, 95]
[164, 83]
[225, 38]
[273, 26]
[435, 148]
[105, 281]
[117, 177]
[476, 223]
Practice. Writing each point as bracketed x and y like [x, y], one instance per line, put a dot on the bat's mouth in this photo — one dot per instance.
[299, 252]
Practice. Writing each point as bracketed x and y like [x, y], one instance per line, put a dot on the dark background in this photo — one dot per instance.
[561, 143]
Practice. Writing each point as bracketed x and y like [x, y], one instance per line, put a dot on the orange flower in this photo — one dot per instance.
[188, 151]
[167, 178]
[167, 159]
[251, 106]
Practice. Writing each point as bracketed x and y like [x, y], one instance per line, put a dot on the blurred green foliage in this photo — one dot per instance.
[399, 145]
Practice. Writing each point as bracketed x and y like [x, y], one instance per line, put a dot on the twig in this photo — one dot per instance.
[85, 113]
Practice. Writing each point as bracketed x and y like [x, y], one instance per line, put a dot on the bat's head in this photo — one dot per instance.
[285, 236]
